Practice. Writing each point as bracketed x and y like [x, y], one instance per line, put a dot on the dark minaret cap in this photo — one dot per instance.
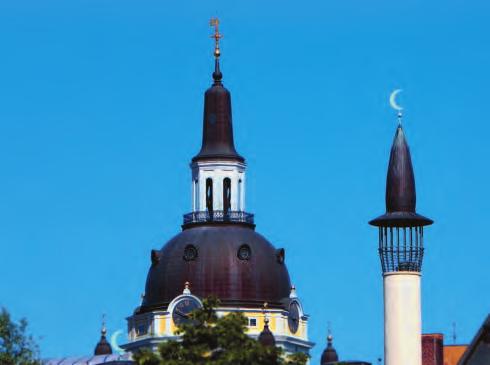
[329, 355]
[103, 347]
[266, 337]
[217, 136]
[400, 189]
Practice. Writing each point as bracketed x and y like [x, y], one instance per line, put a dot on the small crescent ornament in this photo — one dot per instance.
[393, 103]
[114, 345]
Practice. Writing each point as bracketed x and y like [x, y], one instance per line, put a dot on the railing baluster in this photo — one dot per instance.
[218, 216]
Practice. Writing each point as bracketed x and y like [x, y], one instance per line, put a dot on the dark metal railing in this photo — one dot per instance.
[219, 216]
[401, 248]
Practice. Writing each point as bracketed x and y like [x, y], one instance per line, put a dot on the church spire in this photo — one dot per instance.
[218, 171]
[217, 138]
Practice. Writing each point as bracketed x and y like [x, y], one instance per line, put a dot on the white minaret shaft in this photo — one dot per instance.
[402, 317]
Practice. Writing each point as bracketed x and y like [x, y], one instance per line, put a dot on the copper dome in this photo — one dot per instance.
[229, 261]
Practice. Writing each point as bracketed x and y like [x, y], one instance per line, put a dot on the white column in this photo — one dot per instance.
[217, 191]
[403, 323]
[194, 195]
[242, 192]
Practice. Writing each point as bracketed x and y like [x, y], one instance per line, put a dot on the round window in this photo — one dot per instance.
[190, 253]
[244, 252]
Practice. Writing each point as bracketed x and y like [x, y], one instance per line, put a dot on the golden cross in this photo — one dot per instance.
[214, 22]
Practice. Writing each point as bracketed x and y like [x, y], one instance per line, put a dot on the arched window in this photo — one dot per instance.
[209, 195]
[226, 195]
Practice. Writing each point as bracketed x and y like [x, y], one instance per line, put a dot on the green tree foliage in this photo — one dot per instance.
[210, 340]
[16, 347]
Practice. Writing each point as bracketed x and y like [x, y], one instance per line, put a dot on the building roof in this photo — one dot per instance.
[114, 359]
[478, 351]
[400, 188]
[452, 353]
[217, 136]
[230, 261]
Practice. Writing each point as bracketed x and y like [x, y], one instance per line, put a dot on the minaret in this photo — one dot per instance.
[401, 233]
[218, 171]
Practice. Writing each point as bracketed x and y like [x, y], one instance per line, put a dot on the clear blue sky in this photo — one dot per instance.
[101, 112]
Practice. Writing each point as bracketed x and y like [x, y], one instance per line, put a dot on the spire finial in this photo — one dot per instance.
[103, 330]
[395, 106]
[329, 333]
[264, 310]
[214, 22]
[454, 333]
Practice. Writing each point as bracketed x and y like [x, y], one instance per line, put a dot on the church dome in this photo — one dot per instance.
[230, 261]
[266, 337]
[329, 355]
[103, 347]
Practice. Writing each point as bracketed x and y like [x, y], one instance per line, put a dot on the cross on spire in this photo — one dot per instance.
[214, 22]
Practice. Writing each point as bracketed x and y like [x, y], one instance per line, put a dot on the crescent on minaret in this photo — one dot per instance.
[393, 103]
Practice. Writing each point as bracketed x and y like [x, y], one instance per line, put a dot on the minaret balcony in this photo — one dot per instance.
[218, 216]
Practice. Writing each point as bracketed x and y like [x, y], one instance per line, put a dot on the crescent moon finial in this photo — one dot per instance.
[395, 106]
[114, 344]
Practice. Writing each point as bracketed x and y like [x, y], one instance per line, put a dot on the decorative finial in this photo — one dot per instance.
[187, 289]
[329, 333]
[103, 331]
[264, 310]
[454, 333]
[217, 75]
[214, 22]
[395, 106]
[292, 293]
